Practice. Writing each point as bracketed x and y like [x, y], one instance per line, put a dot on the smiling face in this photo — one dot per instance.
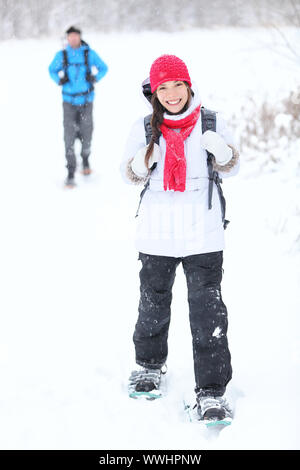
[173, 95]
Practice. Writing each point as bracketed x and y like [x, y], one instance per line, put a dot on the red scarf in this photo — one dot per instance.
[175, 161]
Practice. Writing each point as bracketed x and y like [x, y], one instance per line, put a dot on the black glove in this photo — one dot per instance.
[63, 80]
[90, 78]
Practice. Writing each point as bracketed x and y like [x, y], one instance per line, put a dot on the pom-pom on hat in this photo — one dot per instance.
[166, 68]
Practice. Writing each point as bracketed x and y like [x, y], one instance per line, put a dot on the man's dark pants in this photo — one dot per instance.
[78, 123]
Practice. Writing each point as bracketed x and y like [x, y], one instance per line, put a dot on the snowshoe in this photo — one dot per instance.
[85, 167]
[70, 181]
[145, 383]
[212, 409]
[86, 171]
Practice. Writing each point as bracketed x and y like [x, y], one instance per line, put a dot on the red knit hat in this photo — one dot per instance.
[167, 68]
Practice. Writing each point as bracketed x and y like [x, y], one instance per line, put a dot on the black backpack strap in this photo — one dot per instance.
[148, 135]
[87, 65]
[148, 128]
[142, 195]
[86, 58]
[209, 121]
[65, 62]
[65, 58]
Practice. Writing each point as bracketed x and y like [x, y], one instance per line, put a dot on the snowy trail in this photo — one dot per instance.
[70, 284]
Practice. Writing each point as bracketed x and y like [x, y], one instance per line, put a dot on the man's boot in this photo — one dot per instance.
[86, 166]
[70, 180]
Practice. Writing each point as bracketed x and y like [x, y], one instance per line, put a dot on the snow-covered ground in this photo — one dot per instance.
[70, 284]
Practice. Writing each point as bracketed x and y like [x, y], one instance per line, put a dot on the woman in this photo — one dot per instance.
[176, 225]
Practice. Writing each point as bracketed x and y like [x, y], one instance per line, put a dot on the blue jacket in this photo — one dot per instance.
[77, 73]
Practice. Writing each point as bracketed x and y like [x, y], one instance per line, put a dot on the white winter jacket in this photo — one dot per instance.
[174, 223]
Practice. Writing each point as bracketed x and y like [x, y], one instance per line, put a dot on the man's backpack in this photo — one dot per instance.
[208, 118]
[87, 73]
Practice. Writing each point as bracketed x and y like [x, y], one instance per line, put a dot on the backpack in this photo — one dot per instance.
[88, 70]
[208, 118]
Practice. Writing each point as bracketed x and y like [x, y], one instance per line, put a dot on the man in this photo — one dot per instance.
[71, 68]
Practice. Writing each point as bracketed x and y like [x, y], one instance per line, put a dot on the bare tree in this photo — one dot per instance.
[278, 17]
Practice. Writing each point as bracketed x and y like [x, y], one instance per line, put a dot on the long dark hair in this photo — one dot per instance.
[158, 117]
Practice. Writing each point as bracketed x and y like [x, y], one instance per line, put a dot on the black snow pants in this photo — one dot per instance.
[207, 314]
[78, 123]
